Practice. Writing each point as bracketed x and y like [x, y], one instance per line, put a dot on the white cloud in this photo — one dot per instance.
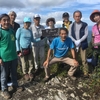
[48, 8]
[11, 4]
[47, 3]
[88, 1]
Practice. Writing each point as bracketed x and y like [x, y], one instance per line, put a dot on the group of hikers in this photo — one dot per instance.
[25, 44]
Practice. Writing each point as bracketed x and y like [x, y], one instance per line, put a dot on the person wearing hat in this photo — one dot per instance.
[78, 32]
[66, 22]
[8, 56]
[38, 47]
[50, 22]
[95, 17]
[24, 37]
[13, 24]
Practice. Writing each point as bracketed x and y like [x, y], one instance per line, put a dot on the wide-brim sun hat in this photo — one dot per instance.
[50, 19]
[92, 15]
[27, 19]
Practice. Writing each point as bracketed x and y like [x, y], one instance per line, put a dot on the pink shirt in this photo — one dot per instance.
[96, 34]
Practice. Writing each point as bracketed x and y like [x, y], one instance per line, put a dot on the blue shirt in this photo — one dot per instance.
[61, 48]
[24, 37]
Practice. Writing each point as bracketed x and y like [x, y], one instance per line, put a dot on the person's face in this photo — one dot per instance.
[12, 16]
[97, 18]
[77, 17]
[27, 25]
[50, 23]
[5, 22]
[65, 19]
[63, 35]
[37, 21]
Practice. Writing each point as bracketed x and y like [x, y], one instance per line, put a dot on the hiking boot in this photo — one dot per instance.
[31, 77]
[5, 94]
[73, 78]
[18, 88]
[26, 76]
[46, 79]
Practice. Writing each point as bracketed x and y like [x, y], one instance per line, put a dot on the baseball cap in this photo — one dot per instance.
[65, 14]
[27, 19]
[37, 16]
[92, 15]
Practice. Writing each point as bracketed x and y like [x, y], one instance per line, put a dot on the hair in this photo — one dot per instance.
[66, 30]
[50, 19]
[77, 11]
[13, 13]
[4, 15]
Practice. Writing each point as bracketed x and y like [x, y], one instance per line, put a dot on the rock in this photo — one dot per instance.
[62, 96]
[56, 80]
[72, 95]
[85, 94]
[57, 88]
[40, 98]
[80, 86]
[29, 90]
[29, 99]
[77, 98]
[57, 98]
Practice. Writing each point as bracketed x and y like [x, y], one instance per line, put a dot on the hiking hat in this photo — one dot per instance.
[65, 15]
[27, 19]
[93, 13]
[36, 16]
[50, 19]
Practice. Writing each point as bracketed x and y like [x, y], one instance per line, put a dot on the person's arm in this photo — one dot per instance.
[73, 53]
[92, 39]
[74, 58]
[18, 41]
[0, 61]
[85, 35]
[70, 32]
[52, 46]
[45, 64]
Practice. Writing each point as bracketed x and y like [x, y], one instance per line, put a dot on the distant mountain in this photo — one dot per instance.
[90, 33]
[89, 36]
[90, 28]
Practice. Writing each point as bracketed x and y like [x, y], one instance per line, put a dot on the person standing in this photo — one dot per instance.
[38, 47]
[78, 32]
[50, 22]
[24, 37]
[13, 24]
[95, 17]
[8, 56]
[66, 21]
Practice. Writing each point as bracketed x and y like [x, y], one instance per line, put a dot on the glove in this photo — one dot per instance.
[77, 42]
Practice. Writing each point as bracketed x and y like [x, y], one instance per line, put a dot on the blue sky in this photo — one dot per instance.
[49, 8]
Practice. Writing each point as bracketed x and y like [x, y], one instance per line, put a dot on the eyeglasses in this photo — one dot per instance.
[37, 18]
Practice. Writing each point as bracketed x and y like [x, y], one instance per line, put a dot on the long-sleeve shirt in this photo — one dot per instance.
[24, 37]
[77, 32]
[37, 33]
